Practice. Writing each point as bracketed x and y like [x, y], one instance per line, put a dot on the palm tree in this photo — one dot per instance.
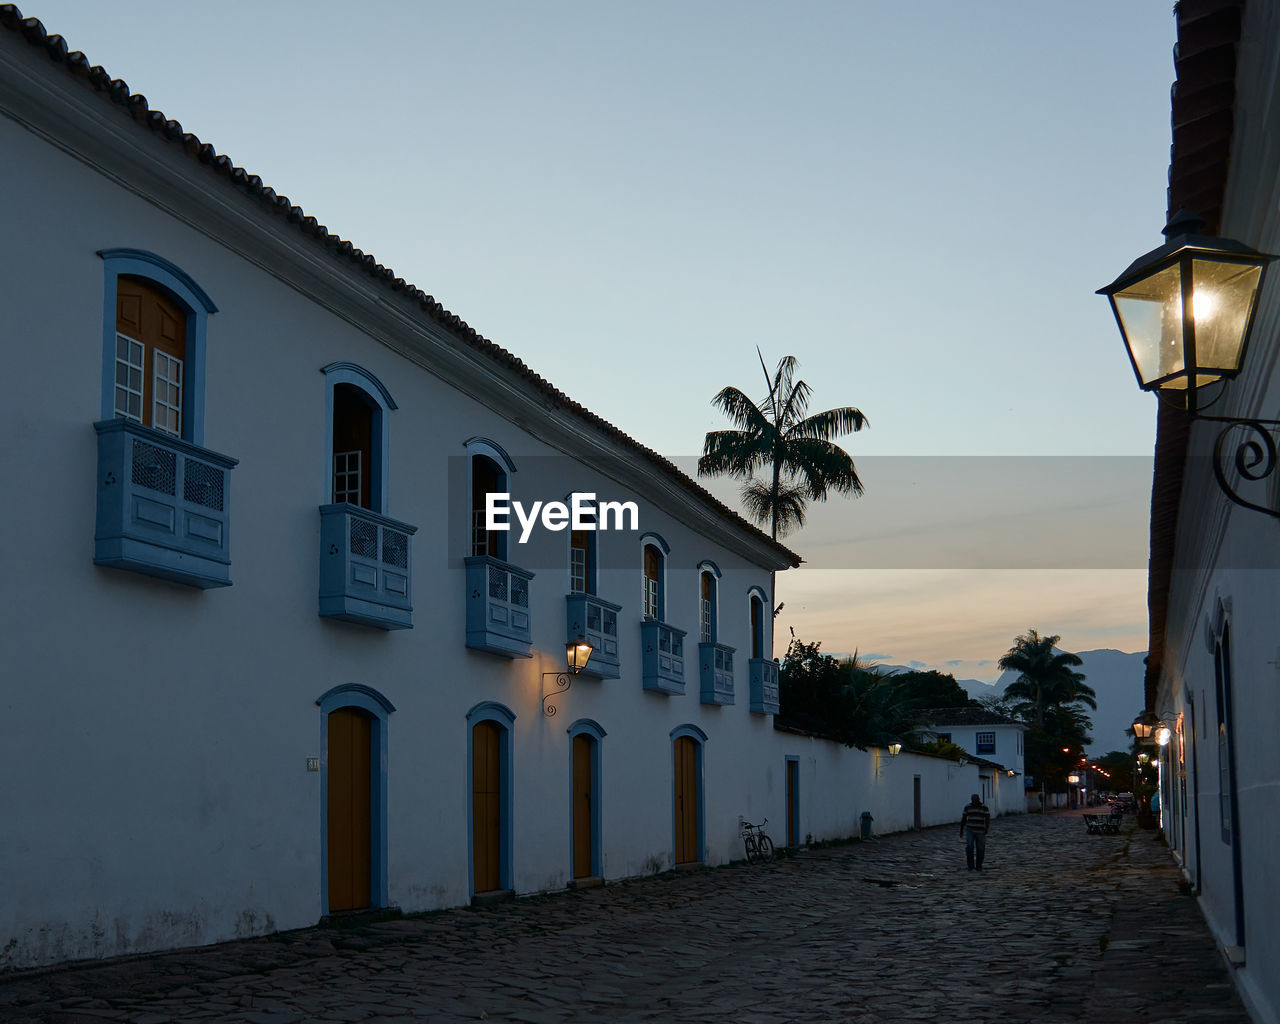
[786, 458]
[1047, 679]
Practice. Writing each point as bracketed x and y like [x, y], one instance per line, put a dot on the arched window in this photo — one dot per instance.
[583, 560]
[359, 410]
[654, 551]
[757, 624]
[153, 349]
[708, 585]
[489, 469]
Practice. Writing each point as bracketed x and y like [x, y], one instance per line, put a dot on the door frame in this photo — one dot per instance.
[792, 798]
[699, 738]
[366, 698]
[594, 731]
[504, 718]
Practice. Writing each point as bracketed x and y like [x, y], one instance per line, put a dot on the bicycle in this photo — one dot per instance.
[759, 846]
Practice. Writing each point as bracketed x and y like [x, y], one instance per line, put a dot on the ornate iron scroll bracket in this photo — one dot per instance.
[563, 680]
[1248, 449]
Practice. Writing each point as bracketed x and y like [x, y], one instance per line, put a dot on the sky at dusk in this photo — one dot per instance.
[917, 200]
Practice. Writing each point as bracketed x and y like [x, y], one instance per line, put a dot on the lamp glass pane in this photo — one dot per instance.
[1221, 301]
[1150, 312]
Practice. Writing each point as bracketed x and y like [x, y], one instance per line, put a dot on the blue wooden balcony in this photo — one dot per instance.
[597, 620]
[164, 506]
[498, 607]
[764, 686]
[662, 656]
[715, 673]
[365, 567]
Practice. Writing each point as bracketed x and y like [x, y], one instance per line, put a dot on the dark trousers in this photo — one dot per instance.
[975, 847]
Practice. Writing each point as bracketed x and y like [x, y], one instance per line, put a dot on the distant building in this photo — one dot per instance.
[994, 745]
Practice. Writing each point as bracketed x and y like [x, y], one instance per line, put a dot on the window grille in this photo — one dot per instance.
[497, 583]
[364, 539]
[202, 484]
[577, 570]
[395, 548]
[153, 467]
[986, 743]
[479, 535]
[706, 621]
[519, 592]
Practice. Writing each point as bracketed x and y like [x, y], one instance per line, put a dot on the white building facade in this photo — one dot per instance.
[262, 661]
[1213, 673]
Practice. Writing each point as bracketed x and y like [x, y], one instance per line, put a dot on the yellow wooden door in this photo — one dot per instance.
[686, 798]
[581, 806]
[486, 806]
[349, 809]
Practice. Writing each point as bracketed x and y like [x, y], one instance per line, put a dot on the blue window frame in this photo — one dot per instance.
[985, 743]
[158, 273]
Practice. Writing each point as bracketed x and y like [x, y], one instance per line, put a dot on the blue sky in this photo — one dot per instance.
[916, 199]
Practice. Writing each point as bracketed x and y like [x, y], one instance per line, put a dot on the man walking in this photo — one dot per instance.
[975, 823]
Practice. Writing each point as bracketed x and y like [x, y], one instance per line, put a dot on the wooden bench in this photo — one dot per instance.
[1102, 824]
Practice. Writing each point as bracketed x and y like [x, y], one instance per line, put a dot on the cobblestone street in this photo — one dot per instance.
[1063, 926]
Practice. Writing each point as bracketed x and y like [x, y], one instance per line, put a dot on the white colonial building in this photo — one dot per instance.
[1213, 673]
[995, 748]
[264, 659]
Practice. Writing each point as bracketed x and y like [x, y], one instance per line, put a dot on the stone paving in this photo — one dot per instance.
[1062, 926]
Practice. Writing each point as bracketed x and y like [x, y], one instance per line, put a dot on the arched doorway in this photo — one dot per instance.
[586, 852]
[489, 784]
[686, 751]
[354, 798]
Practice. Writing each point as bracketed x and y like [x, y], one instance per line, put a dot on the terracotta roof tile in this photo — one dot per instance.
[117, 91]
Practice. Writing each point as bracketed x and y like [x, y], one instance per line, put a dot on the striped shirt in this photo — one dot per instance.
[976, 817]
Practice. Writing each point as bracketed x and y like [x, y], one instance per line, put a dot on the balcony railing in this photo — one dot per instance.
[715, 672]
[164, 506]
[662, 656]
[365, 567]
[597, 620]
[498, 607]
[764, 686]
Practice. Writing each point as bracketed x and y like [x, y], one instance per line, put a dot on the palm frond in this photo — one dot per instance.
[823, 466]
[732, 453]
[830, 424]
[782, 512]
[742, 411]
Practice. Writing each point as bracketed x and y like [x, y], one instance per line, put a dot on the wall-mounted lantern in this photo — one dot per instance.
[1185, 311]
[576, 653]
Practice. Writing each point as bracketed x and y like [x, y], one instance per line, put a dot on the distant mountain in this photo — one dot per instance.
[1115, 675]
